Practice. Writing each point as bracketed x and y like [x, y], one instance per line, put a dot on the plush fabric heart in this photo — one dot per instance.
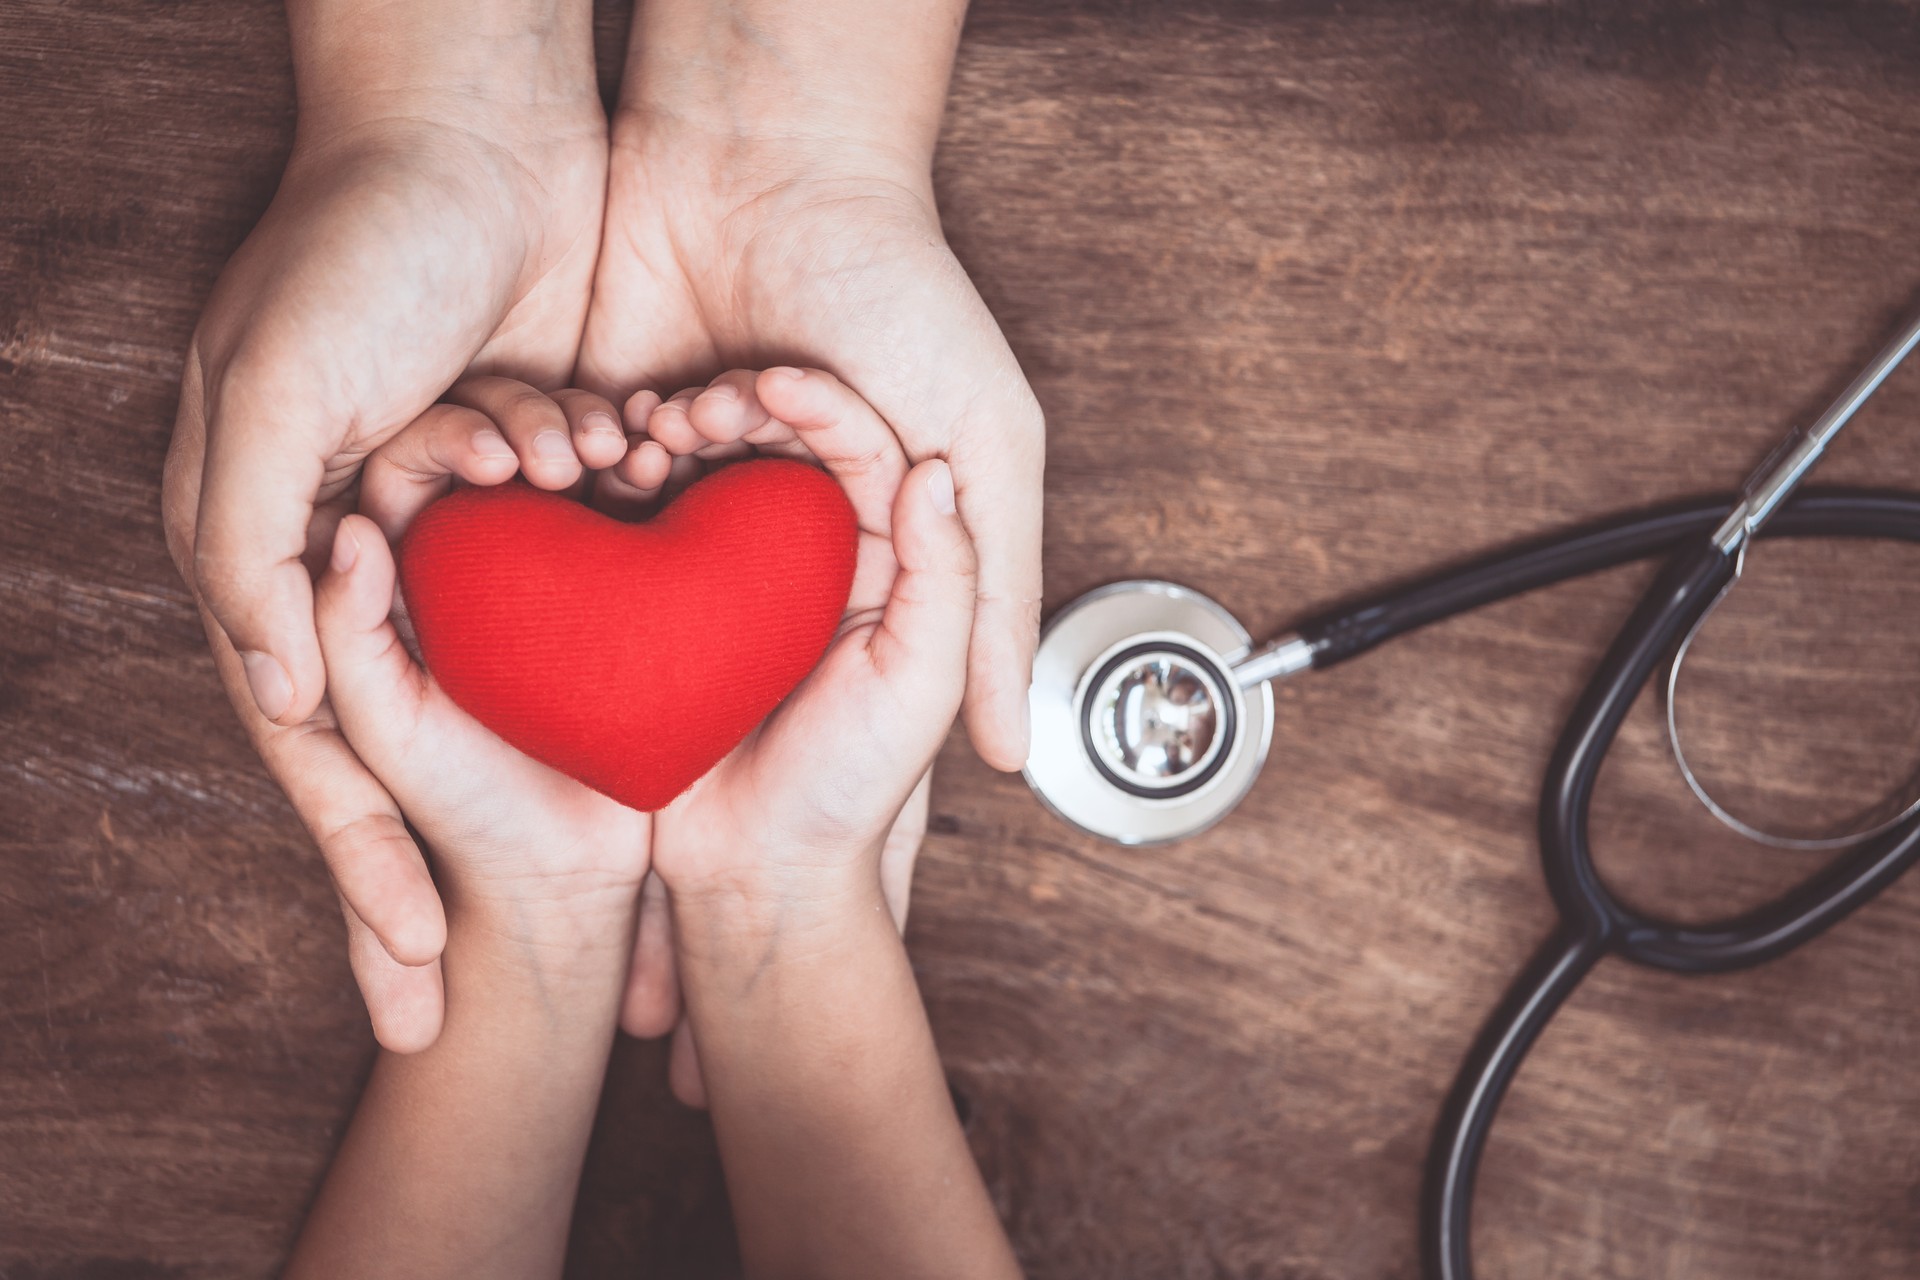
[631, 656]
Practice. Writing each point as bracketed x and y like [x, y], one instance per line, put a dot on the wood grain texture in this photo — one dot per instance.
[1314, 295]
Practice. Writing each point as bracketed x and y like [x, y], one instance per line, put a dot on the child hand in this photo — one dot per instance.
[789, 413]
[463, 1159]
[509, 835]
[821, 1067]
[802, 807]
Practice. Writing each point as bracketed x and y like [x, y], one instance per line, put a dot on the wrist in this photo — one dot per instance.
[850, 90]
[554, 937]
[537, 1000]
[764, 916]
[496, 67]
[738, 167]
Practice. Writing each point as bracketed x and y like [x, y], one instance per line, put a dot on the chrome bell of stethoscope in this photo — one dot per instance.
[1152, 712]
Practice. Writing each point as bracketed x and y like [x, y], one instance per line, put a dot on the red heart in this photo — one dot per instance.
[631, 656]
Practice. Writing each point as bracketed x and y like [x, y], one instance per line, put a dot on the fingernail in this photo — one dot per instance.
[491, 444]
[598, 423]
[552, 444]
[787, 372]
[940, 488]
[723, 391]
[346, 552]
[272, 691]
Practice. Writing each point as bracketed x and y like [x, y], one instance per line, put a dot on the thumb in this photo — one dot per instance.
[376, 685]
[920, 647]
[257, 493]
[459, 784]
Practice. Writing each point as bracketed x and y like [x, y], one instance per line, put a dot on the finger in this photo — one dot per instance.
[728, 415]
[651, 1005]
[683, 1069]
[919, 649]
[669, 424]
[407, 473]
[533, 424]
[727, 409]
[672, 426]
[375, 864]
[999, 495]
[638, 408]
[443, 766]
[396, 928]
[873, 572]
[406, 1004]
[373, 671]
[261, 473]
[643, 471]
[645, 468]
[851, 440]
[373, 861]
[902, 850]
[613, 496]
[598, 440]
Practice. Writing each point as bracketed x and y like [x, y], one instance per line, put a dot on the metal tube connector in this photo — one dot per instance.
[1788, 464]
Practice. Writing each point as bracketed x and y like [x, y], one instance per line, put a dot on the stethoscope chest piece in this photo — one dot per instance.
[1141, 733]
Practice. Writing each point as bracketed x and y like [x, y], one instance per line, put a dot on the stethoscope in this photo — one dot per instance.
[1153, 713]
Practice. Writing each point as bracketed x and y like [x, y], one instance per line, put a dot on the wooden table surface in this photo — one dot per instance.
[1315, 296]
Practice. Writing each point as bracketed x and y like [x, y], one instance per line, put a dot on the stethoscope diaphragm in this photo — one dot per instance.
[1141, 733]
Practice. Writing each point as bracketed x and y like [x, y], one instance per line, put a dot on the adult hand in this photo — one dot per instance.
[440, 214]
[770, 202]
[749, 225]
